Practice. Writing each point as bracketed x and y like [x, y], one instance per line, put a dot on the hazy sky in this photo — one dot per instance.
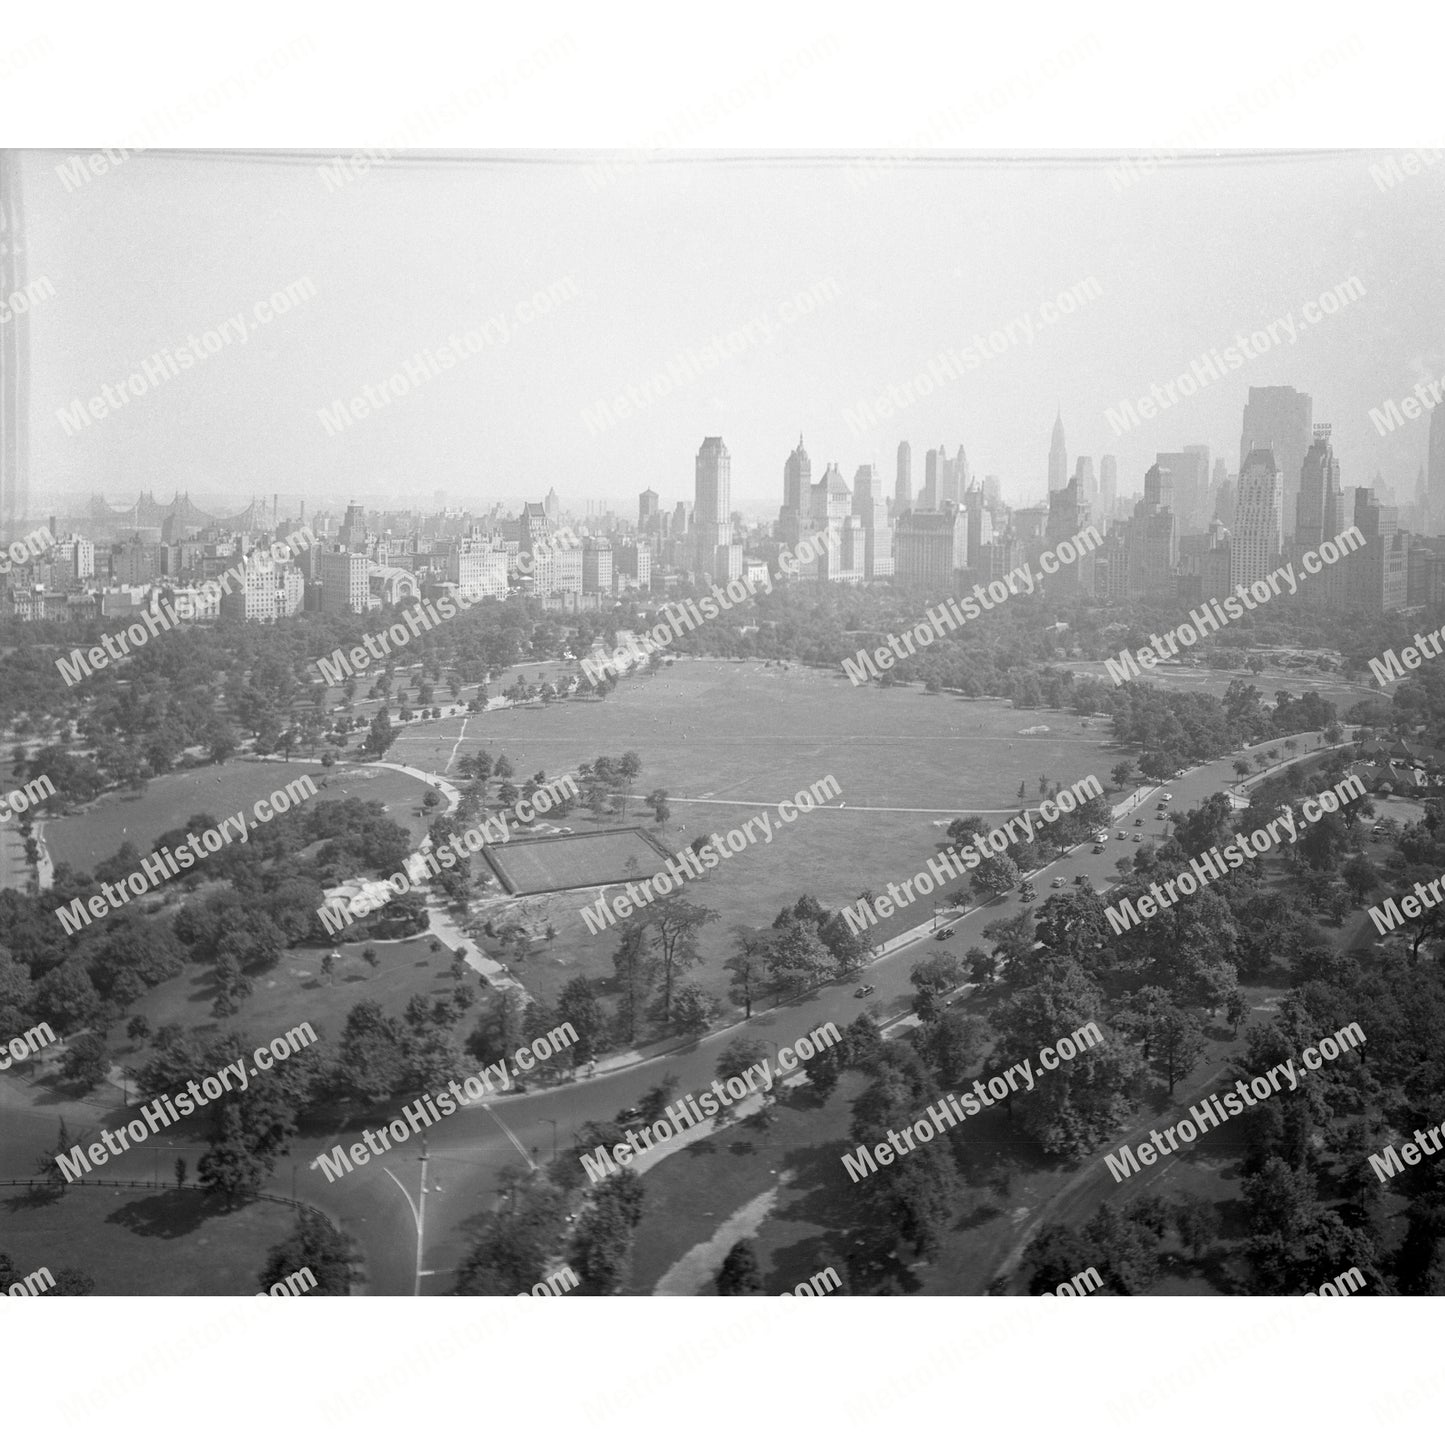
[666, 255]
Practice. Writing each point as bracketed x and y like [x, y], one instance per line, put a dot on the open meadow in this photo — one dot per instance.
[83, 839]
[729, 740]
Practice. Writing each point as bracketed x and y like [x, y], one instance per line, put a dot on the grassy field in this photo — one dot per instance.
[575, 860]
[136, 1242]
[295, 990]
[84, 839]
[728, 740]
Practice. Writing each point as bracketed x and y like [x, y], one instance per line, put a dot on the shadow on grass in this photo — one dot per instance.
[166, 1216]
[34, 1198]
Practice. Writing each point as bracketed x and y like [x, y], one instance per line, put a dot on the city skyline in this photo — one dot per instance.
[784, 370]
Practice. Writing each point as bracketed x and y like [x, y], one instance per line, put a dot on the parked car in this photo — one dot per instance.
[1098, 848]
[947, 933]
[1123, 836]
[863, 990]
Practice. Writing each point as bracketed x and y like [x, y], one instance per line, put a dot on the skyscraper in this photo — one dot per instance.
[1108, 486]
[1058, 457]
[928, 499]
[647, 511]
[1278, 419]
[1190, 472]
[712, 503]
[1318, 511]
[797, 493]
[1435, 486]
[903, 487]
[1084, 473]
[14, 356]
[1258, 531]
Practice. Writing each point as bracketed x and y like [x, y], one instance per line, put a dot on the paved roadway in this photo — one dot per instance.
[469, 1150]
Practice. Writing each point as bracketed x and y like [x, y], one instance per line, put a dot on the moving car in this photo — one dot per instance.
[1138, 822]
[1057, 883]
[1123, 836]
[947, 933]
[630, 1115]
[1138, 837]
[1098, 848]
[1083, 880]
[1168, 797]
[863, 990]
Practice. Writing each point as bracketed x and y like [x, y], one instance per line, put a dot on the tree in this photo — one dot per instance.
[938, 974]
[229, 1169]
[998, 874]
[579, 1005]
[747, 967]
[88, 1062]
[740, 1055]
[633, 968]
[370, 1057]
[980, 966]
[221, 740]
[1360, 877]
[674, 924]
[740, 1273]
[1180, 1043]
[332, 1256]
[510, 1251]
[657, 801]
[693, 1009]
[602, 1245]
[1236, 1010]
[1197, 1221]
[1121, 773]
[381, 735]
[797, 957]
[48, 1165]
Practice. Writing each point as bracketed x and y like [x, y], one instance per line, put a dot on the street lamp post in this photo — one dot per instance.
[553, 1123]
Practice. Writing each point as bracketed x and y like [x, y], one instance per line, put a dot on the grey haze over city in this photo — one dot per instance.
[836, 280]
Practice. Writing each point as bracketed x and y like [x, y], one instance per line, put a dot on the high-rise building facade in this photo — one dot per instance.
[870, 506]
[712, 504]
[597, 565]
[903, 486]
[344, 582]
[930, 548]
[1108, 486]
[1317, 514]
[1058, 457]
[647, 511]
[797, 494]
[1434, 522]
[1279, 419]
[1258, 532]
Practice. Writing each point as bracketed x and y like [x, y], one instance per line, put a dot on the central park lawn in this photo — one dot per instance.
[728, 740]
[84, 839]
[139, 1242]
[296, 991]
